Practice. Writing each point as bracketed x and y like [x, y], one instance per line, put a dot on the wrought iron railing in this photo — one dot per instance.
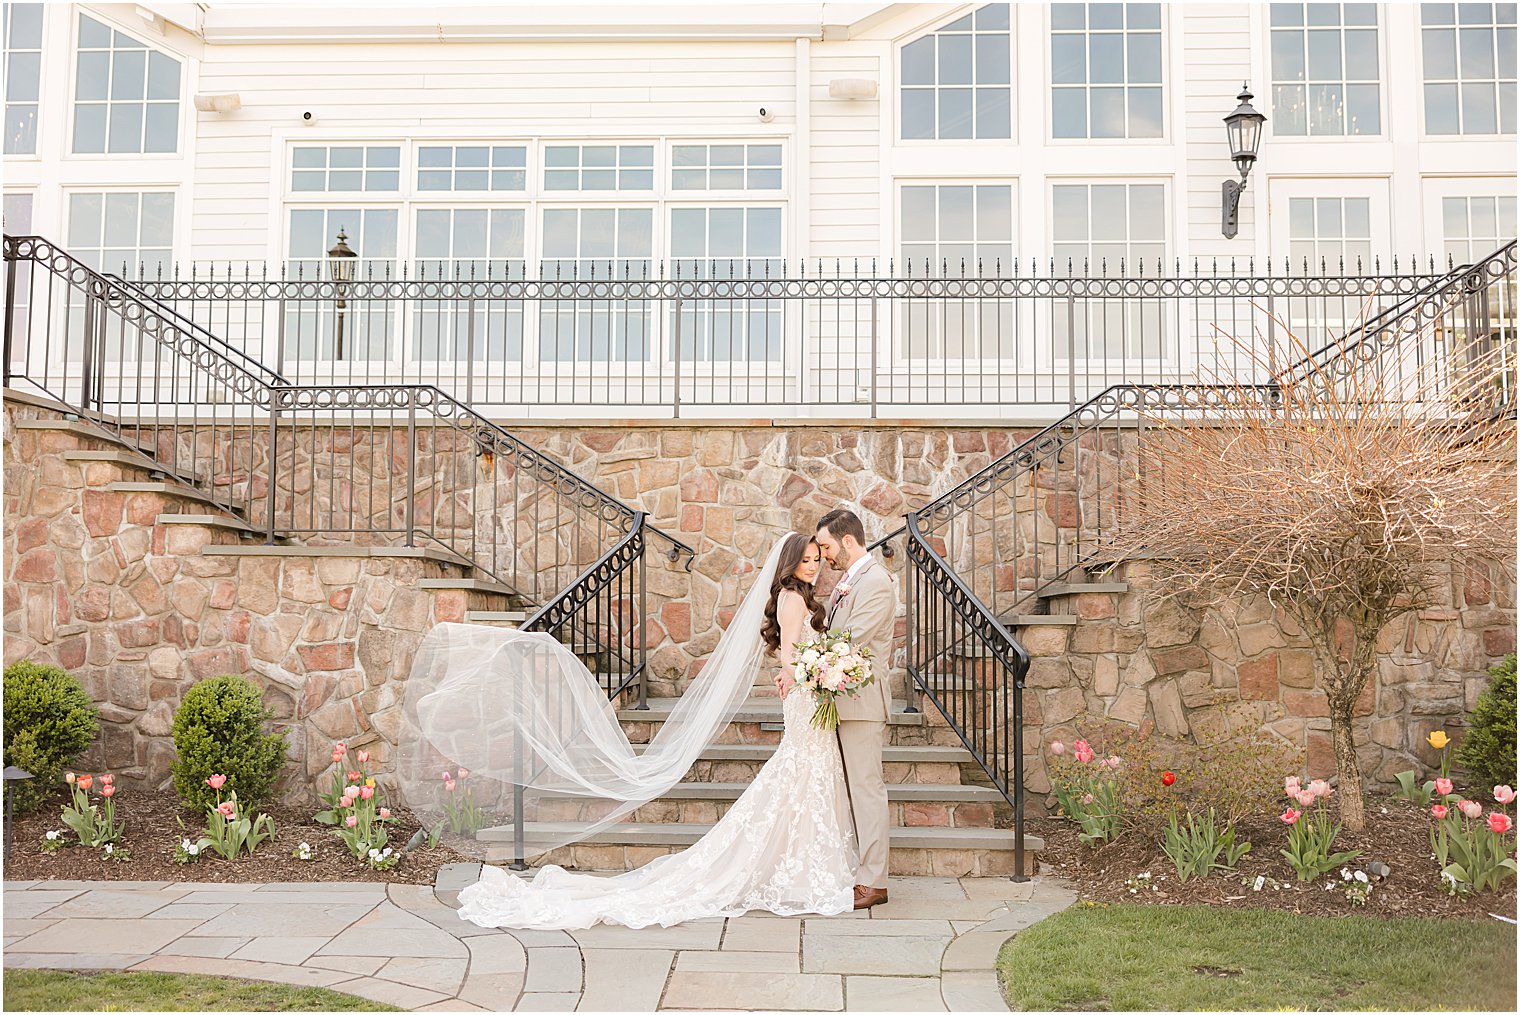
[382, 464]
[993, 339]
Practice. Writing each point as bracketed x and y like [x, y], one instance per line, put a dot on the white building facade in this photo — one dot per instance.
[758, 141]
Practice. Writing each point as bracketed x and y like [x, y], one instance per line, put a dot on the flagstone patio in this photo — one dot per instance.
[932, 948]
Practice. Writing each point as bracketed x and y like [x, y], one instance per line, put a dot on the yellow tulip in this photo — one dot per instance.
[369, 782]
[1438, 739]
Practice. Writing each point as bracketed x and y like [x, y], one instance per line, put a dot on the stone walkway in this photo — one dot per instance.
[930, 949]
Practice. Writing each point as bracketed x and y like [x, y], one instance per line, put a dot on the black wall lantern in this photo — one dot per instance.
[1244, 130]
[340, 266]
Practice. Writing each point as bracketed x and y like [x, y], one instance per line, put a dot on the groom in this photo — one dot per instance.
[864, 603]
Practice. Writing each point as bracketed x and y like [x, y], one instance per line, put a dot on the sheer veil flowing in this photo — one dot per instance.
[516, 708]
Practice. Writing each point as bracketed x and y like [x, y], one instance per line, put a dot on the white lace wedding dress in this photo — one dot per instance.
[787, 846]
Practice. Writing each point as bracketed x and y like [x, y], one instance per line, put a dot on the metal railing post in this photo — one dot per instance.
[873, 357]
[676, 352]
[1016, 745]
[1071, 353]
[411, 469]
[274, 457]
[643, 565]
[10, 312]
[87, 368]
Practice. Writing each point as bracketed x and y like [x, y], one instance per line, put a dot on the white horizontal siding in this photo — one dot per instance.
[845, 189]
[1217, 57]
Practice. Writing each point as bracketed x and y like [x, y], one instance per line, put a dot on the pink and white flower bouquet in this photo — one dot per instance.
[829, 666]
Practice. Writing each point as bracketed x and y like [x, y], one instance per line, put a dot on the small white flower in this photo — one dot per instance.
[374, 853]
[110, 849]
[52, 836]
[1361, 876]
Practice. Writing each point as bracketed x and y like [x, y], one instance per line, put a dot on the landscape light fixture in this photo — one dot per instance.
[1243, 127]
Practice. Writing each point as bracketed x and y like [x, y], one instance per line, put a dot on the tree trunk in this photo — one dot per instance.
[1353, 812]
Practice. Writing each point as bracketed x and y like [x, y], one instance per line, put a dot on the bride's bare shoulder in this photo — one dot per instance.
[789, 601]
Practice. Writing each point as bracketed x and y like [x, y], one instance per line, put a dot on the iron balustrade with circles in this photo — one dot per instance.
[375, 464]
[1028, 338]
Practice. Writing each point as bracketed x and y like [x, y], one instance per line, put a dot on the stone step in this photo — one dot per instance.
[1036, 619]
[169, 488]
[758, 721]
[133, 460]
[81, 428]
[512, 618]
[433, 553]
[945, 852]
[467, 585]
[1080, 588]
[216, 522]
[908, 805]
[940, 766]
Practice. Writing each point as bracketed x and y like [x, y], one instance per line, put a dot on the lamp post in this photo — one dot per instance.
[340, 267]
[12, 774]
[1243, 127]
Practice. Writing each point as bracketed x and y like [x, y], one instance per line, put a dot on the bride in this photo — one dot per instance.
[787, 845]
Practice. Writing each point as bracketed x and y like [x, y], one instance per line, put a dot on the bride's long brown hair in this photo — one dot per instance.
[792, 551]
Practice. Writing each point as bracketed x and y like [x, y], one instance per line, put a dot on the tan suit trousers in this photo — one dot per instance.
[861, 742]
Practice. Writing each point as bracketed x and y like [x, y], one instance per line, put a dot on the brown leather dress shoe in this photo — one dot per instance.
[866, 897]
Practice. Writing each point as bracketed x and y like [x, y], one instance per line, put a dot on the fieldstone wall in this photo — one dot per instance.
[1193, 674]
[140, 609]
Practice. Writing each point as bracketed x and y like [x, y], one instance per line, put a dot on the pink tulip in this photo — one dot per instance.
[1470, 808]
[367, 792]
[1290, 816]
[226, 808]
[340, 748]
[1291, 786]
[447, 775]
[217, 781]
[1057, 748]
[1443, 787]
[449, 785]
[1319, 788]
[351, 821]
[1504, 794]
[1081, 745]
[1499, 823]
[108, 778]
[463, 773]
[1439, 811]
[353, 777]
[1087, 798]
[385, 812]
[1114, 763]
[1305, 797]
[337, 756]
[108, 790]
[363, 757]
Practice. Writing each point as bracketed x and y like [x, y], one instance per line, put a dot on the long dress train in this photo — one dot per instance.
[787, 846]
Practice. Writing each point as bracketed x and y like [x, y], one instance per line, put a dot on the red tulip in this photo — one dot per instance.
[85, 781]
[1499, 823]
[1438, 811]
[1167, 778]
[353, 777]
[363, 757]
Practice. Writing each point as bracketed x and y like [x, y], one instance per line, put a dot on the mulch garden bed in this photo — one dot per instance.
[152, 832]
[1396, 834]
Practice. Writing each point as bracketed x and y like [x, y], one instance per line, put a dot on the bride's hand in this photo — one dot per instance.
[784, 685]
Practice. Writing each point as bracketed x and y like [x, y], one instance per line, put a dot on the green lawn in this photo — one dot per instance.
[1202, 958]
[55, 990]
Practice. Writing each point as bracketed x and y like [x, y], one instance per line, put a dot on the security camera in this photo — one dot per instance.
[308, 118]
[767, 114]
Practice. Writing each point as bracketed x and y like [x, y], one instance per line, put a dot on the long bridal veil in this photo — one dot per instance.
[514, 708]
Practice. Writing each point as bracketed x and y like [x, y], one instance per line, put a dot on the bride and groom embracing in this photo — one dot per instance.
[809, 835]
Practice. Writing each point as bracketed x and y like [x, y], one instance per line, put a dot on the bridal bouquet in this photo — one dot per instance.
[828, 666]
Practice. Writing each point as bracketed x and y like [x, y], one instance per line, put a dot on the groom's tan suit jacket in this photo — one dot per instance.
[869, 613]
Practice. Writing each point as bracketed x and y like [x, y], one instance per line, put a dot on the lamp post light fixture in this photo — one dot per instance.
[12, 774]
[1243, 127]
[340, 267]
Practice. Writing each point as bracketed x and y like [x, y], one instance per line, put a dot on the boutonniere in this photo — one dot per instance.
[844, 589]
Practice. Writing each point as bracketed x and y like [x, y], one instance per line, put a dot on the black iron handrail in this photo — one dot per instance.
[1486, 270]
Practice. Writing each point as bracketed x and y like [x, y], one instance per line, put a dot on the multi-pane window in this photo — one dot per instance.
[1474, 227]
[1335, 232]
[23, 74]
[362, 328]
[956, 83]
[728, 243]
[18, 222]
[130, 234]
[1112, 230]
[1105, 70]
[726, 167]
[599, 167]
[957, 230]
[126, 96]
[18, 214]
[345, 168]
[1469, 68]
[472, 167]
[469, 243]
[589, 244]
[1325, 78]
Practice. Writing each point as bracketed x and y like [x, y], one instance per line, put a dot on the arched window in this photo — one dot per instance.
[956, 82]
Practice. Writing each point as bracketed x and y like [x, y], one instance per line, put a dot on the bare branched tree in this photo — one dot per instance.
[1342, 497]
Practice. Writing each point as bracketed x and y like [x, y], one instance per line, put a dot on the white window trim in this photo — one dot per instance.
[893, 78]
[1377, 187]
[1171, 62]
[1385, 133]
[1425, 137]
[182, 144]
[66, 213]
